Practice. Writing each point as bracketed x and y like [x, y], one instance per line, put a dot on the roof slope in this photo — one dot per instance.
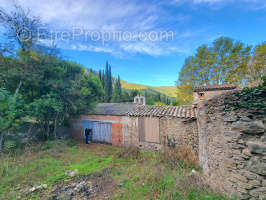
[113, 108]
[160, 111]
[214, 87]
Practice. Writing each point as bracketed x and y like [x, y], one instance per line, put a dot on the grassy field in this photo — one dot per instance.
[132, 174]
[166, 90]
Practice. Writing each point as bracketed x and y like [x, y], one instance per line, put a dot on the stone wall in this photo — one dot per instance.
[173, 131]
[179, 132]
[207, 95]
[232, 149]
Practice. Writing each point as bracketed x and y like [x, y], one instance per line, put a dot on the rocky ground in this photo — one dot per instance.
[94, 186]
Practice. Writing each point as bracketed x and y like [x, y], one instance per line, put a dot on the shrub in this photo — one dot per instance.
[47, 145]
[129, 153]
[180, 157]
[248, 98]
[9, 146]
[4, 168]
[71, 143]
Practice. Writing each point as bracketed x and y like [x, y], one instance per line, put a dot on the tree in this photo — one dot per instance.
[108, 85]
[117, 92]
[159, 103]
[225, 61]
[22, 30]
[125, 96]
[184, 95]
[46, 111]
[150, 101]
[58, 90]
[11, 110]
[221, 48]
[51, 89]
[257, 68]
[21, 26]
[133, 93]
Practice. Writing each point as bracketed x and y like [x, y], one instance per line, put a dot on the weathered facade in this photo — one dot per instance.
[155, 128]
[202, 93]
[114, 113]
[231, 146]
[151, 128]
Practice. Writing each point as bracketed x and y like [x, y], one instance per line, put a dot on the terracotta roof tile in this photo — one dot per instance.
[214, 87]
[161, 111]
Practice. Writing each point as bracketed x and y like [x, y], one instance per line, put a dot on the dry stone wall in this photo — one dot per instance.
[178, 132]
[232, 149]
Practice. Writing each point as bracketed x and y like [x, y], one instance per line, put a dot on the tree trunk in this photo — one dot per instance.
[18, 88]
[1, 141]
[55, 124]
[29, 130]
[47, 130]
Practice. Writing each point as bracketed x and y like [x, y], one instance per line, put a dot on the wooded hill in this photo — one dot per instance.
[169, 91]
[116, 90]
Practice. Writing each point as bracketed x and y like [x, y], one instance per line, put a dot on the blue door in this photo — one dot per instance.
[101, 131]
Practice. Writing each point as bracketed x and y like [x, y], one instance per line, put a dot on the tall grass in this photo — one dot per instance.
[137, 174]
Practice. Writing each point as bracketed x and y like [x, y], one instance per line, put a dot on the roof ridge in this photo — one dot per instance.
[160, 111]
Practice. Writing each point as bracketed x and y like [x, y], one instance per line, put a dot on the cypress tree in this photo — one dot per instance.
[110, 84]
[106, 82]
[117, 93]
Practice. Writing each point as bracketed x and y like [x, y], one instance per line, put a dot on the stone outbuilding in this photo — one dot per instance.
[146, 127]
[230, 144]
[202, 93]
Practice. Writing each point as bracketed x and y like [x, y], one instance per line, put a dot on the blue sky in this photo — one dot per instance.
[146, 60]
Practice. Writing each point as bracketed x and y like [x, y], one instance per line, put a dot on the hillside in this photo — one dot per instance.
[166, 90]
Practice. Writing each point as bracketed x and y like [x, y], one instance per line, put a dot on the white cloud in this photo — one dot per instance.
[120, 15]
[82, 47]
[141, 47]
[96, 15]
[152, 49]
[92, 14]
[259, 4]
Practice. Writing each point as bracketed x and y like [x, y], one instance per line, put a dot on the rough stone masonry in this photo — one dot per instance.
[232, 149]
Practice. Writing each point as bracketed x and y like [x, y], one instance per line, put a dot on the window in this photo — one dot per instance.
[201, 95]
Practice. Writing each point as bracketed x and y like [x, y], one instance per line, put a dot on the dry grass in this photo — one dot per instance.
[180, 156]
[137, 174]
[129, 153]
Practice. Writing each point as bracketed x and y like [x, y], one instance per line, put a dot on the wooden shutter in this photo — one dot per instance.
[152, 130]
[141, 129]
[149, 129]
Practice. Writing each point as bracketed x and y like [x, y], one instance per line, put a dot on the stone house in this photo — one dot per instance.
[230, 145]
[146, 127]
[202, 93]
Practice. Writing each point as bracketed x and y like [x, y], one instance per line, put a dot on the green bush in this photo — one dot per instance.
[9, 146]
[249, 98]
[71, 143]
[4, 168]
[47, 145]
